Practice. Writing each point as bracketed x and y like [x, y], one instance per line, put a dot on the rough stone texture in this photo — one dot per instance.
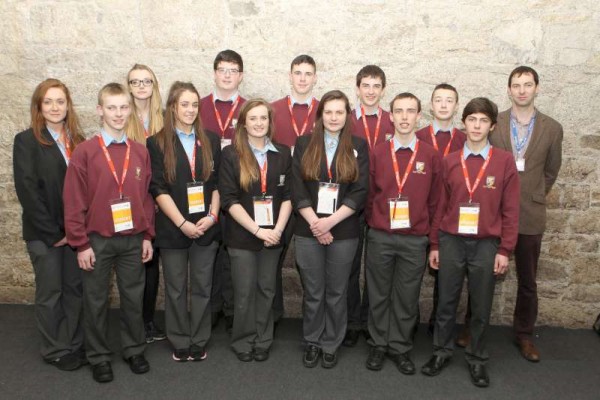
[471, 44]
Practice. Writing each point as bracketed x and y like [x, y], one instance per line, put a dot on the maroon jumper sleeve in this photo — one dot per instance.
[75, 200]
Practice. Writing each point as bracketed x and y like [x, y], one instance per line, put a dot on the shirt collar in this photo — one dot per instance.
[358, 111]
[307, 101]
[411, 145]
[185, 135]
[331, 138]
[514, 118]
[437, 128]
[269, 146]
[54, 135]
[108, 140]
[232, 98]
[483, 153]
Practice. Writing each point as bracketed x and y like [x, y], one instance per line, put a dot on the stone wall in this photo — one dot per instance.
[471, 44]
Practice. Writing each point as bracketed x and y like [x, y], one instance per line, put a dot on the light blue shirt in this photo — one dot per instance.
[411, 145]
[294, 101]
[61, 146]
[436, 128]
[261, 154]
[108, 140]
[483, 153]
[146, 123]
[358, 112]
[215, 97]
[331, 144]
[188, 140]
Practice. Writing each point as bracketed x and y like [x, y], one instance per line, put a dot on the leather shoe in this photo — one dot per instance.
[138, 364]
[351, 338]
[479, 375]
[68, 362]
[311, 356]
[375, 359]
[528, 350]
[464, 337]
[261, 354]
[434, 366]
[404, 363]
[245, 356]
[329, 360]
[102, 372]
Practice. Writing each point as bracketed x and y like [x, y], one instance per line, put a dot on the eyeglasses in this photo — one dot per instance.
[141, 82]
[225, 71]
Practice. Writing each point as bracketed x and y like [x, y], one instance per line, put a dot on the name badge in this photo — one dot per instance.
[292, 150]
[399, 216]
[195, 195]
[468, 219]
[225, 142]
[328, 197]
[263, 210]
[121, 214]
[520, 164]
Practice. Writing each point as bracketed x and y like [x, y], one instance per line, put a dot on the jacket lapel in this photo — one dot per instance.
[54, 150]
[536, 135]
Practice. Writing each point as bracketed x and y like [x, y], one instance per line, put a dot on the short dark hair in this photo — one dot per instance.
[520, 70]
[481, 105]
[370, 71]
[445, 86]
[229, 56]
[303, 59]
[405, 95]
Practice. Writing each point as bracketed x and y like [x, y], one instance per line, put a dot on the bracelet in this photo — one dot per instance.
[181, 224]
[257, 231]
[213, 217]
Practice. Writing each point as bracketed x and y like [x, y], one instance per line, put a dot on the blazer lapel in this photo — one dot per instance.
[536, 135]
[54, 150]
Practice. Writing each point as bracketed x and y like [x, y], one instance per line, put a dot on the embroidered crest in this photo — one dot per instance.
[419, 168]
[281, 180]
[138, 173]
[388, 136]
[490, 182]
[234, 123]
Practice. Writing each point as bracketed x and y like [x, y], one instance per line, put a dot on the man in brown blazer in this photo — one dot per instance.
[535, 140]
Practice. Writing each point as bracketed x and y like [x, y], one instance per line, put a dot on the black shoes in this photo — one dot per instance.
[102, 372]
[138, 364]
[434, 366]
[311, 356]
[245, 356]
[197, 353]
[153, 332]
[479, 375]
[329, 360]
[69, 362]
[260, 354]
[351, 338]
[404, 363]
[375, 359]
[181, 355]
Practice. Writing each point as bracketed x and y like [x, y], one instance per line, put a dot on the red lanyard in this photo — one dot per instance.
[111, 165]
[229, 117]
[65, 139]
[193, 160]
[367, 132]
[434, 141]
[479, 175]
[408, 167]
[263, 178]
[146, 134]
[305, 124]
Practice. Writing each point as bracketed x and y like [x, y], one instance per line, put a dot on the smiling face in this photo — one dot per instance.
[370, 91]
[186, 110]
[405, 115]
[478, 126]
[334, 116]
[144, 81]
[522, 90]
[54, 106]
[114, 110]
[444, 104]
[302, 78]
[257, 122]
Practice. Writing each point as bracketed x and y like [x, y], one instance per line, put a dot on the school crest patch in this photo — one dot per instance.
[419, 168]
[490, 182]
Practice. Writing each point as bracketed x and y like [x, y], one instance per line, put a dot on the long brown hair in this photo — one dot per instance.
[248, 167]
[346, 166]
[135, 127]
[167, 136]
[38, 123]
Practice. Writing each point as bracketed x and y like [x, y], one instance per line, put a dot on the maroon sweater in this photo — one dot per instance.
[386, 128]
[90, 186]
[442, 139]
[498, 196]
[284, 131]
[423, 187]
[209, 119]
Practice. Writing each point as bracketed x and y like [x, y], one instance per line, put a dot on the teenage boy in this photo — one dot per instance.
[370, 122]
[294, 116]
[219, 112]
[109, 218]
[535, 140]
[446, 139]
[405, 185]
[473, 232]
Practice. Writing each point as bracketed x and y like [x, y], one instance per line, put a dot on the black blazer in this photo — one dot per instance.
[279, 168]
[39, 174]
[353, 195]
[168, 235]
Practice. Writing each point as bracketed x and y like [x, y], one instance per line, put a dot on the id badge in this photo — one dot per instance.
[121, 214]
[468, 219]
[225, 142]
[520, 164]
[292, 150]
[328, 197]
[399, 216]
[263, 210]
[195, 195]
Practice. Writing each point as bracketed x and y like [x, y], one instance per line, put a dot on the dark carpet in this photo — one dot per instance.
[570, 369]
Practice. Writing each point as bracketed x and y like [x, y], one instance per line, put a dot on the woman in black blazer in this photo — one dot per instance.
[40, 158]
[254, 185]
[184, 161]
[330, 180]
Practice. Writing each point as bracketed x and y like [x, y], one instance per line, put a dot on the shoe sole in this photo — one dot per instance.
[201, 358]
[159, 338]
[327, 365]
[310, 364]
[179, 359]
[436, 373]
[374, 368]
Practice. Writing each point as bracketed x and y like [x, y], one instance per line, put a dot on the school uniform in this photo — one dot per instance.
[253, 266]
[39, 172]
[473, 254]
[181, 254]
[90, 189]
[396, 259]
[325, 269]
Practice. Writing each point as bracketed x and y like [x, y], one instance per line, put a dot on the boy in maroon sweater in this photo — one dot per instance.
[405, 185]
[474, 231]
[109, 218]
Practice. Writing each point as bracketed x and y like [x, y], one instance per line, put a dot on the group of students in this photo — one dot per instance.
[220, 185]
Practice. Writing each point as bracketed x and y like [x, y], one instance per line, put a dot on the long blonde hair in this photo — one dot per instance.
[135, 127]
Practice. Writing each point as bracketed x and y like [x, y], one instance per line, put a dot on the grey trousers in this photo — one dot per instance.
[125, 254]
[460, 256]
[325, 271]
[253, 276]
[58, 299]
[394, 268]
[183, 328]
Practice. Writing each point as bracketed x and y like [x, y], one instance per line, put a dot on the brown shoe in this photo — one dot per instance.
[464, 337]
[528, 350]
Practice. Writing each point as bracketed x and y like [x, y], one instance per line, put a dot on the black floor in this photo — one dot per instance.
[570, 369]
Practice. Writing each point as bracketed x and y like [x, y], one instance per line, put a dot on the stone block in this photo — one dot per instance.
[585, 269]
